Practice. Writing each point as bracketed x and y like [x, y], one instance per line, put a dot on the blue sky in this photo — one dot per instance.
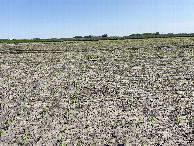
[67, 18]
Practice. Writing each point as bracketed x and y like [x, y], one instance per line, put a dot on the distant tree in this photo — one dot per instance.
[136, 34]
[105, 35]
[147, 34]
[88, 36]
[78, 37]
[157, 33]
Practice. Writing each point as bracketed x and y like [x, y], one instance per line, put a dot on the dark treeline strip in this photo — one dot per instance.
[29, 41]
[96, 39]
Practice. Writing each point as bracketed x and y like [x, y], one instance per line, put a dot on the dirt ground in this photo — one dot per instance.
[121, 92]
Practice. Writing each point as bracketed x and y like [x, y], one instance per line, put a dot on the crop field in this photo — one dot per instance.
[108, 92]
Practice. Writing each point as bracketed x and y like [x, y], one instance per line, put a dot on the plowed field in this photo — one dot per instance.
[127, 92]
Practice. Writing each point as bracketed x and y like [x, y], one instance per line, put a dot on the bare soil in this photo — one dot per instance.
[122, 92]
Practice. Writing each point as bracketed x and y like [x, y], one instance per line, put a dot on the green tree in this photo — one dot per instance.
[157, 33]
[105, 35]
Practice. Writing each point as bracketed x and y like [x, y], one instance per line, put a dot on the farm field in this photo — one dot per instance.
[107, 92]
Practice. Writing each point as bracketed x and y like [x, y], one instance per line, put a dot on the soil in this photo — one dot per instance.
[121, 92]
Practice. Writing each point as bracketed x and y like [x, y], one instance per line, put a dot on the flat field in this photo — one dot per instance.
[127, 92]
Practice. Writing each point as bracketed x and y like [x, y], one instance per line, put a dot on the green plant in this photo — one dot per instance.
[153, 120]
[143, 142]
[188, 105]
[61, 144]
[43, 112]
[1, 132]
[67, 112]
[79, 142]
[4, 105]
[123, 139]
[139, 122]
[115, 123]
[86, 125]
[13, 117]
[74, 93]
[13, 97]
[177, 119]
[65, 128]
[73, 101]
[25, 139]
[107, 142]
[7, 123]
[159, 142]
[126, 122]
[96, 143]
[29, 133]
[130, 97]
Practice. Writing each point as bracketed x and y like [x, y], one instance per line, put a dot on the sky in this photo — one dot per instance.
[27, 19]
